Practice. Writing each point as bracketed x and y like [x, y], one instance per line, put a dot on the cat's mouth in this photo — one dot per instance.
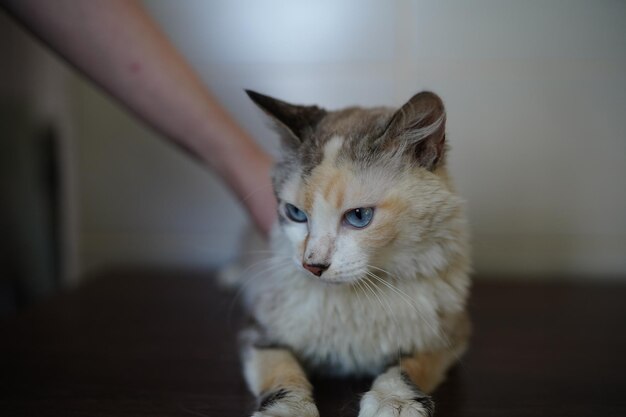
[332, 283]
[328, 274]
[331, 278]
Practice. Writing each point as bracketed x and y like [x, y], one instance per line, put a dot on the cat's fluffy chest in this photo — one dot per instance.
[341, 329]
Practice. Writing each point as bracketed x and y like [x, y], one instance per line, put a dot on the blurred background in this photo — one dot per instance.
[536, 99]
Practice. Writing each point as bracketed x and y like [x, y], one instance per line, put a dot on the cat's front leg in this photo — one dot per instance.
[393, 394]
[402, 391]
[278, 381]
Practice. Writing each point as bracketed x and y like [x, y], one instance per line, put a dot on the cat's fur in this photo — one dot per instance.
[391, 302]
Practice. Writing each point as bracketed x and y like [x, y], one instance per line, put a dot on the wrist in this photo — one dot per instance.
[246, 169]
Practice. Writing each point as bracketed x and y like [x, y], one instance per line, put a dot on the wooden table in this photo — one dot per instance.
[141, 343]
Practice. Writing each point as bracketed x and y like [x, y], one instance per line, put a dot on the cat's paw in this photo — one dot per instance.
[284, 403]
[375, 404]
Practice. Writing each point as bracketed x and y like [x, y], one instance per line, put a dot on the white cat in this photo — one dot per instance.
[368, 272]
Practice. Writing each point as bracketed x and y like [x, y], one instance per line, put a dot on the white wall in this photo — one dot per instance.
[536, 97]
[32, 77]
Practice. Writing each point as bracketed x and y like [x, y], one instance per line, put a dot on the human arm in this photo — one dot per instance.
[117, 45]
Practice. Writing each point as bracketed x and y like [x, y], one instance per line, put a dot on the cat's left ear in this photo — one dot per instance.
[293, 121]
[418, 128]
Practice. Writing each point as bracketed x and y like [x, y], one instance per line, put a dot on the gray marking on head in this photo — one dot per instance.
[376, 137]
[359, 128]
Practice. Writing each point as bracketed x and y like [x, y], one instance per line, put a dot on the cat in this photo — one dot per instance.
[368, 272]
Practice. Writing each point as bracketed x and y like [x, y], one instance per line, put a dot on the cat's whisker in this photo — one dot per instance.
[262, 262]
[391, 311]
[362, 285]
[403, 295]
[367, 285]
[270, 264]
[259, 251]
[393, 317]
[441, 336]
[241, 287]
[382, 294]
[372, 287]
[380, 269]
[408, 300]
[356, 292]
[391, 286]
[366, 291]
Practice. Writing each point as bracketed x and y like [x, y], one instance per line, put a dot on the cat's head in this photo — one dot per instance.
[362, 191]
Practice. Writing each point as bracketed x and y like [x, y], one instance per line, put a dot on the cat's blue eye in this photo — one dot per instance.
[294, 213]
[359, 217]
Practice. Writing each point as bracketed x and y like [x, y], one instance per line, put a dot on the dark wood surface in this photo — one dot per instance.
[163, 344]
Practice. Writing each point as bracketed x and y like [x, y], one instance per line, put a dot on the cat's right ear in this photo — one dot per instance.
[293, 122]
[418, 129]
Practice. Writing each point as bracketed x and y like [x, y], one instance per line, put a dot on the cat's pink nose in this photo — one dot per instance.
[316, 269]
